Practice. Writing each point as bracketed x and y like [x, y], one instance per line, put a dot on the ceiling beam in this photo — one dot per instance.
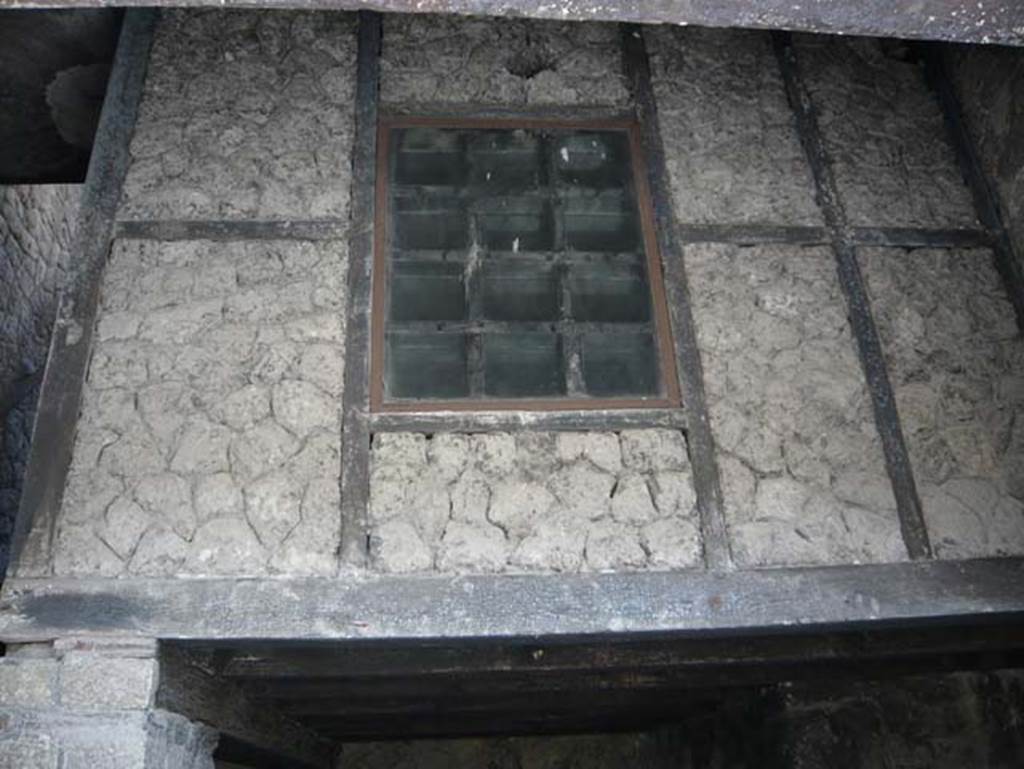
[442, 607]
[999, 21]
[254, 731]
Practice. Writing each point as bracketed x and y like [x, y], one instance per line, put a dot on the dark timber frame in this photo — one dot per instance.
[912, 526]
[574, 399]
[355, 430]
[986, 202]
[71, 345]
[700, 441]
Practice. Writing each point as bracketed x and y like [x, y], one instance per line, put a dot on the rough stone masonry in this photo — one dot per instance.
[209, 441]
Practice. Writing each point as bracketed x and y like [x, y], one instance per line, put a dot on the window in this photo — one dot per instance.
[515, 267]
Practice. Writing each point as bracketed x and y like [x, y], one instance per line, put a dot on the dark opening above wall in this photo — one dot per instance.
[54, 67]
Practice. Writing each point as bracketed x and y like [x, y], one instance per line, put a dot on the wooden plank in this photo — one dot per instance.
[189, 690]
[227, 230]
[71, 344]
[602, 420]
[355, 432]
[289, 670]
[699, 439]
[920, 237]
[461, 607]
[862, 324]
[959, 20]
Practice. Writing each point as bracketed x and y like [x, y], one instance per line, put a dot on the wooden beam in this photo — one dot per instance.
[257, 729]
[355, 409]
[700, 442]
[285, 670]
[1000, 21]
[461, 607]
[71, 344]
[862, 323]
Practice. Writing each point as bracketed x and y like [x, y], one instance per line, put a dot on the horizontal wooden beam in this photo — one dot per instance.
[1000, 21]
[424, 607]
[359, 670]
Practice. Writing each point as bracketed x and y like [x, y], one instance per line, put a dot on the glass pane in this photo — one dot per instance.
[519, 291]
[620, 364]
[515, 224]
[522, 365]
[609, 293]
[430, 156]
[427, 291]
[430, 222]
[593, 159]
[600, 221]
[504, 161]
[426, 366]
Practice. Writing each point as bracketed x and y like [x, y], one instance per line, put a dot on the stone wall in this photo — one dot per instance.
[990, 84]
[562, 502]
[956, 361]
[455, 60]
[884, 133]
[803, 475]
[77, 704]
[245, 115]
[209, 436]
[731, 146]
[37, 225]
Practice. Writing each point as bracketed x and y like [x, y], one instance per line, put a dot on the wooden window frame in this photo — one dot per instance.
[660, 319]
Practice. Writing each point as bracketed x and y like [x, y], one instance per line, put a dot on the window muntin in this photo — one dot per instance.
[515, 267]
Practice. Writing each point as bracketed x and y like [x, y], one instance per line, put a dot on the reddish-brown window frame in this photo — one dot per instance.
[659, 304]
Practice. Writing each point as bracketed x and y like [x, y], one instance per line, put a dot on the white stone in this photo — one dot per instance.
[272, 507]
[583, 492]
[123, 526]
[674, 494]
[653, 449]
[168, 498]
[302, 407]
[516, 507]
[324, 366]
[631, 502]
[469, 547]
[402, 449]
[244, 407]
[397, 547]
[672, 543]
[494, 453]
[202, 449]
[471, 498]
[160, 553]
[556, 545]
[260, 449]
[225, 546]
[217, 495]
[613, 546]
[600, 448]
[448, 454]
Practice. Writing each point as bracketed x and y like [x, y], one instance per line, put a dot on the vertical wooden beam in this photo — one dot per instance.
[700, 441]
[71, 344]
[355, 423]
[987, 205]
[842, 240]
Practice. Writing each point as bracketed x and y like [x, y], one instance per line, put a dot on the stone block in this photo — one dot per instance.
[95, 682]
[27, 683]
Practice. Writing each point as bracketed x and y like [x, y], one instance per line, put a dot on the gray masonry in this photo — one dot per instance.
[37, 225]
[957, 363]
[209, 442]
[84, 704]
[561, 502]
[802, 471]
